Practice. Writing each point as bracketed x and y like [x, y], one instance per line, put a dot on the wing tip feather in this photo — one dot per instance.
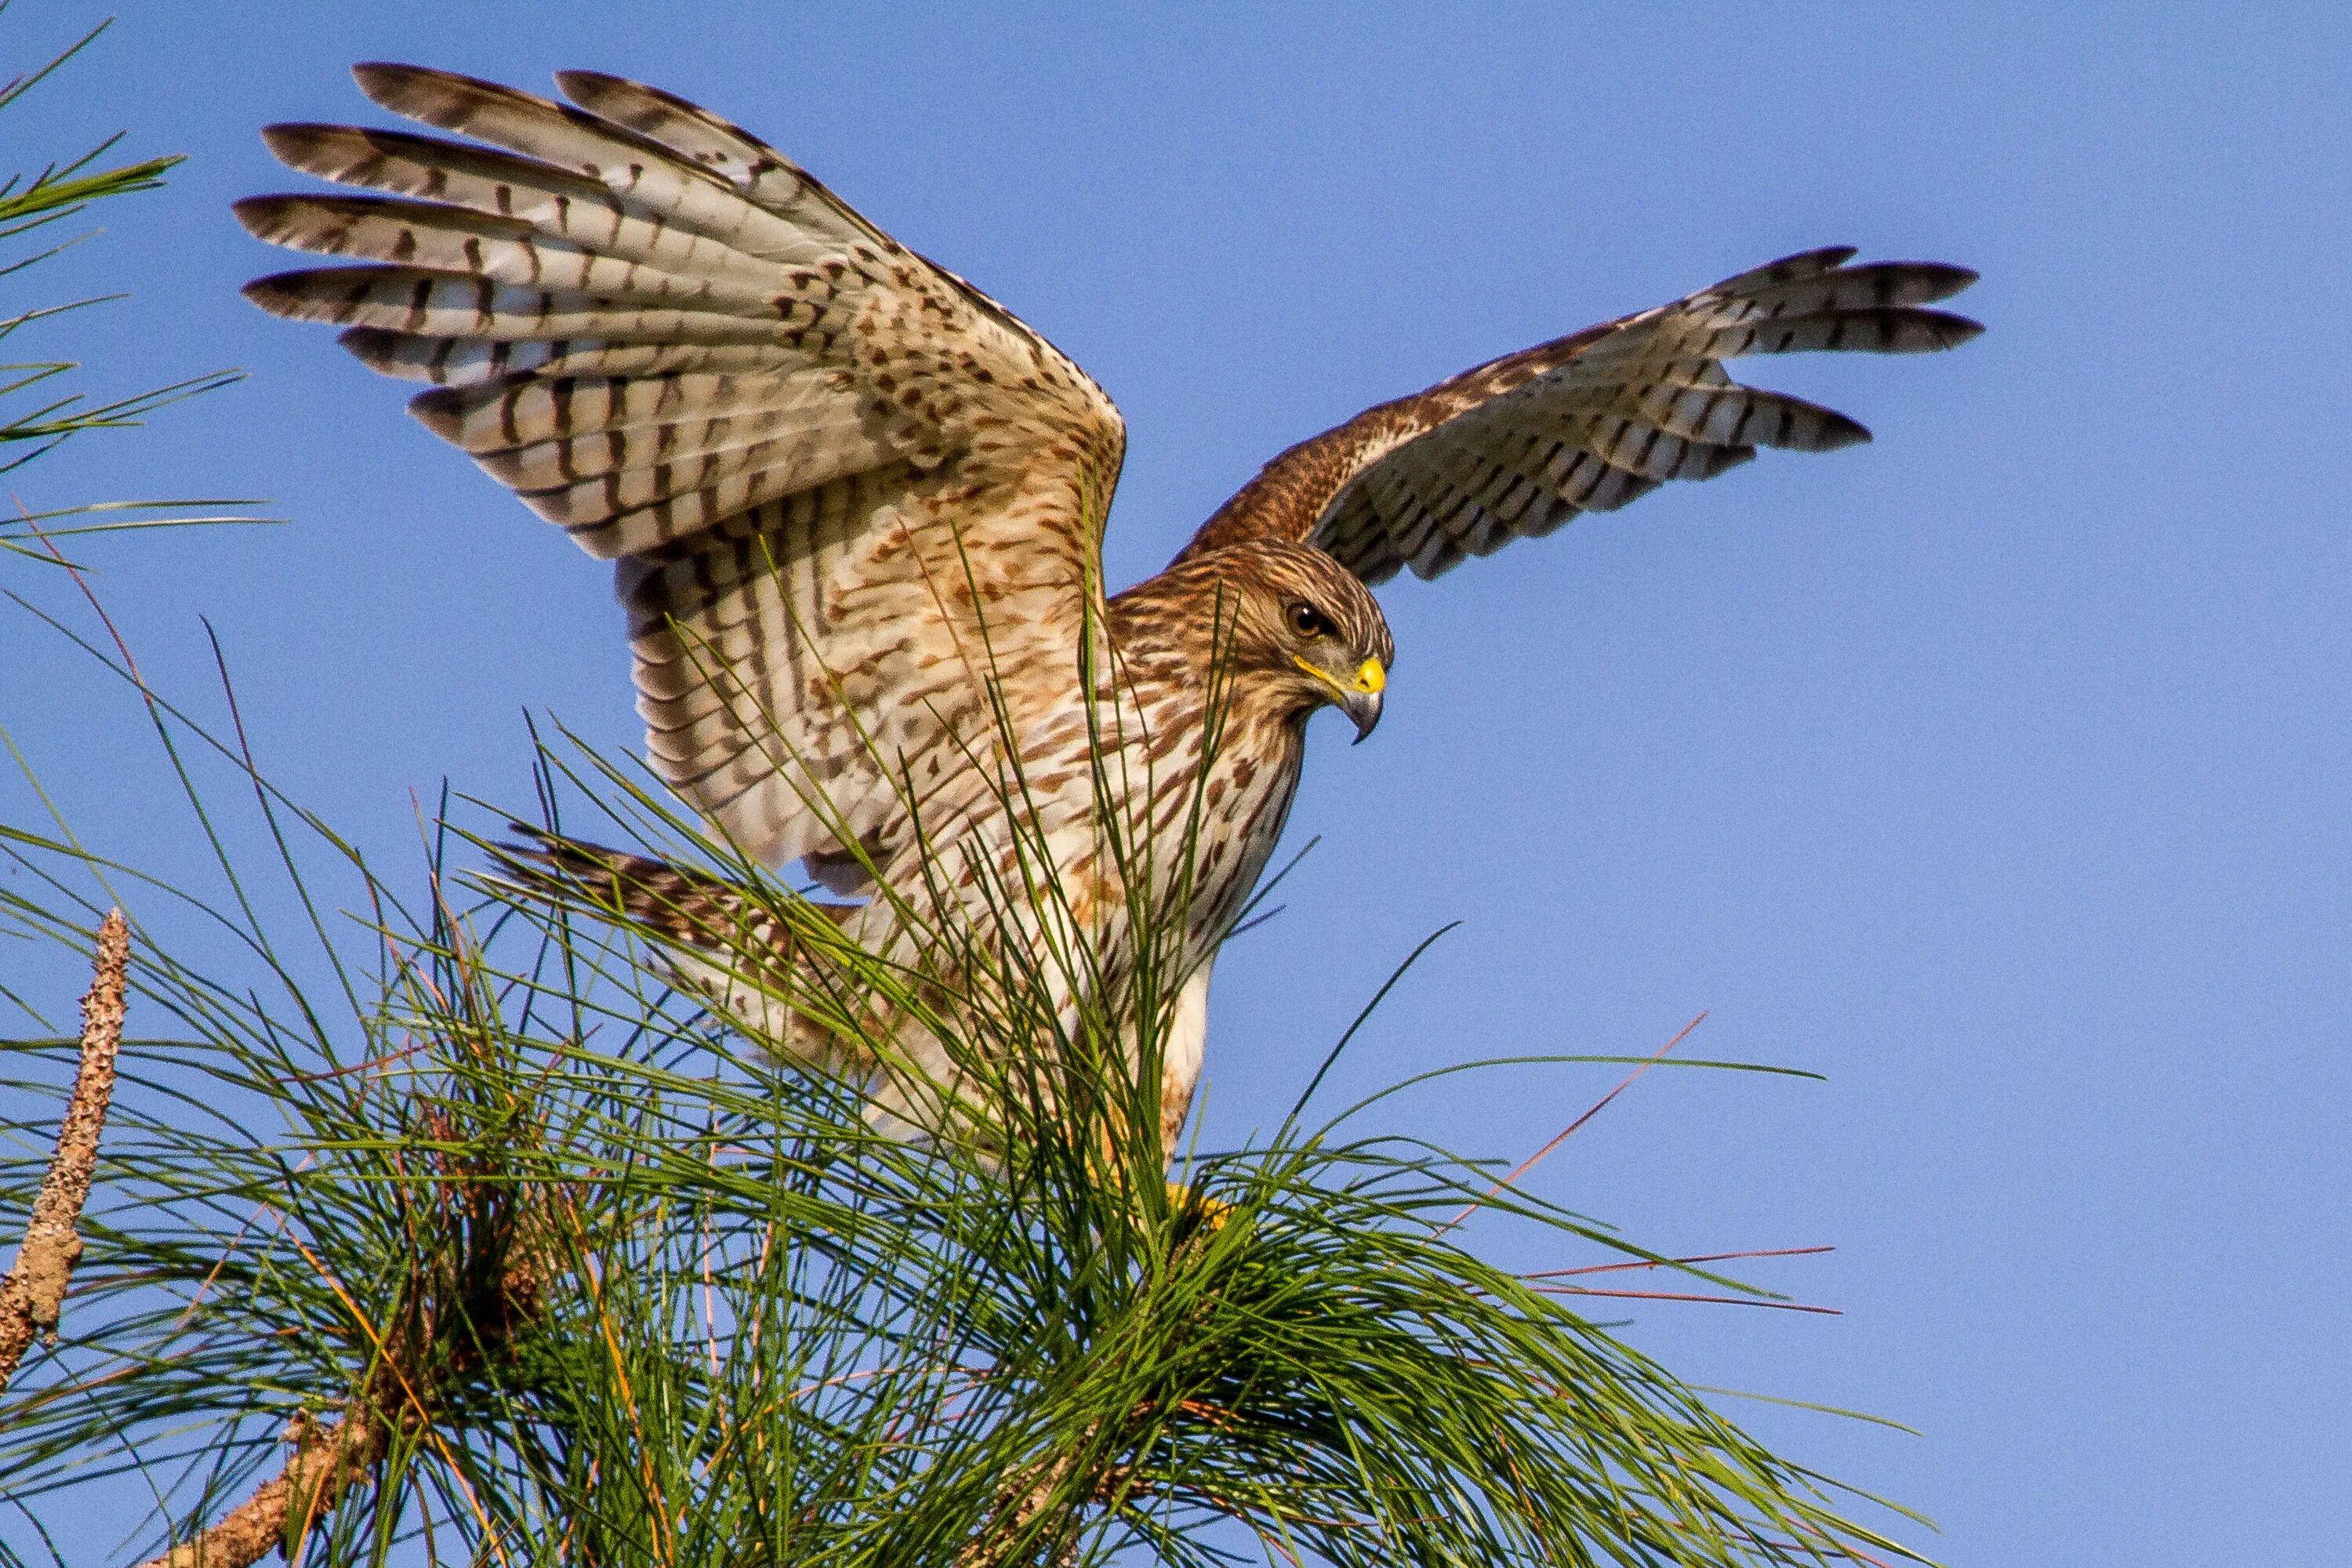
[290, 142]
[378, 348]
[1806, 263]
[622, 99]
[379, 78]
[256, 214]
[1723, 459]
[583, 86]
[441, 97]
[288, 294]
[440, 410]
[1947, 329]
[1941, 279]
[1839, 431]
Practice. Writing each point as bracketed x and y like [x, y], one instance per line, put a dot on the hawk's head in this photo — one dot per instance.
[1301, 627]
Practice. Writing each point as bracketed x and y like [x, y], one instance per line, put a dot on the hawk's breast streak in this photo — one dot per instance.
[1244, 802]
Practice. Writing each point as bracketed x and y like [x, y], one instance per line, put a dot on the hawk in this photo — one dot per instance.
[855, 508]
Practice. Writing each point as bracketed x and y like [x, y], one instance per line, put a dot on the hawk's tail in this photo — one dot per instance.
[691, 907]
[741, 954]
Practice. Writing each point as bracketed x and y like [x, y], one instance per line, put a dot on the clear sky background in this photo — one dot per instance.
[1996, 770]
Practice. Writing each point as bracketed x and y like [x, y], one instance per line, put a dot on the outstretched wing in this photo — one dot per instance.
[854, 503]
[1586, 423]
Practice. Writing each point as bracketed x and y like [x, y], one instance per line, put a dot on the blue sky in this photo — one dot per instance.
[1996, 770]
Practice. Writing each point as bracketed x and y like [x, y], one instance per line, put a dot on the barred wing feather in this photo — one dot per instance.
[1515, 448]
[855, 505]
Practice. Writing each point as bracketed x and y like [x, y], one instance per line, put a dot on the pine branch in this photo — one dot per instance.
[469, 1294]
[34, 1293]
[1015, 1527]
[328, 1461]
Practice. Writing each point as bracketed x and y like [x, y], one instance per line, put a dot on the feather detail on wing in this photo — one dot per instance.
[1515, 448]
[854, 503]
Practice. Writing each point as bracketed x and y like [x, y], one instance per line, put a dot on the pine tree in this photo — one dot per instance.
[461, 1228]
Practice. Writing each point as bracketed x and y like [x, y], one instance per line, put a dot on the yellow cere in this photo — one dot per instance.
[1370, 678]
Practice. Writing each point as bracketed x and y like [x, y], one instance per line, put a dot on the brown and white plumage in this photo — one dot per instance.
[1517, 446]
[855, 507]
[697, 362]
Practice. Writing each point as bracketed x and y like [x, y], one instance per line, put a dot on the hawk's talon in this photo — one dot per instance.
[1187, 1203]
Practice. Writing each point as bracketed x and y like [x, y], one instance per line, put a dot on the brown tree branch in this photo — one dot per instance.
[35, 1291]
[1015, 1513]
[452, 1321]
[284, 1508]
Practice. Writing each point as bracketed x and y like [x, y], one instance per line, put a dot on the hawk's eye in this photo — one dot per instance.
[1307, 621]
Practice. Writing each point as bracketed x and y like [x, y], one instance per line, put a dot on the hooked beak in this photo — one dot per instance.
[1360, 699]
[1363, 700]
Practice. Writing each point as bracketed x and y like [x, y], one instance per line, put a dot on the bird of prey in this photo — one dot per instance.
[855, 507]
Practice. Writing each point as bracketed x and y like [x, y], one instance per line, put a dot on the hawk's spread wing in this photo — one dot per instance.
[853, 501]
[1587, 423]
